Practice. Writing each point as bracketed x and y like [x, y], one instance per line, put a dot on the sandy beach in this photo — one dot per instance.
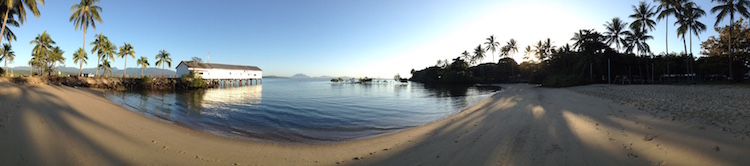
[521, 125]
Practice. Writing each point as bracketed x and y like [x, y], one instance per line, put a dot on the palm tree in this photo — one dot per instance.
[18, 7]
[125, 50]
[667, 8]
[637, 40]
[8, 55]
[479, 53]
[7, 33]
[730, 7]
[41, 51]
[688, 21]
[643, 14]
[470, 59]
[161, 58]
[99, 44]
[56, 55]
[80, 57]
[512, 47]
[540, 51]
[110, 50]
[491, 46]
[528, 51]
[106, 68]
[615, 32]
[84, 14]
[144, 64]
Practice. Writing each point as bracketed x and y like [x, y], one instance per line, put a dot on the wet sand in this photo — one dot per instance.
[521, 125]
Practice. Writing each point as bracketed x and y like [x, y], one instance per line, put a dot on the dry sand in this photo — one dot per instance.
[521, 125]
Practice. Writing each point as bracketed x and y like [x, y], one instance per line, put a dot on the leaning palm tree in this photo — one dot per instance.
[17, 8]
[8, 55]
[84, 14]
[491, 46]
[126, 50]
[161, 58]
[615, 32]
[144, 64]
[106, 68]
[479, 53]
[42, 49]
[7, 33]
[100, 43]
[80, 57]
[729, 7]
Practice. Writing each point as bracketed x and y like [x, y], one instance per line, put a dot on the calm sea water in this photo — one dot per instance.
[305, 110]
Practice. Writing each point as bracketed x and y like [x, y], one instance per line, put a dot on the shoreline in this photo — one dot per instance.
[43, 125]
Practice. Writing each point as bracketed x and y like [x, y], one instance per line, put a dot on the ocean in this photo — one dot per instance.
[307, 111]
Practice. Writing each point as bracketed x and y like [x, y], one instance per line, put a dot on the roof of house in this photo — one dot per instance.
[191, 64]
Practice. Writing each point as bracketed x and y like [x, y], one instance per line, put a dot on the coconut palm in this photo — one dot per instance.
[17, 8]
[99, 44]
[126, 50]
[7, 33]
[144, 64]
[491, 46]
[42, 49]
[7, 54]
[512, 47]
[643, 16]
[161, 58]
[106, 68]
[80, 57]
[84, 14]
[110, 51]
[688, 21]
[540, 51]
[470, 59]
[527, 52]
[667, 8]
[615, 32]
[479, 53]
[56, 55]
[730, 7]
[636, 39]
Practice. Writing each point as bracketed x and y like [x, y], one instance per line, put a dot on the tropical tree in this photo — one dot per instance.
[84, 14]
[7, 33]
[540, 51]
[56, 55]
[126, 50]
[80, 57]
[527, 52]
[144, 64]
[643, 15]
[637, 40]
[511, 47]
[667, 8]
[17, 8]
[106, 68]
[615, 32]
[730, 7]
[100, 43]
[479, 53]
[491, 46]
[42, 49]
[467, 56]
[688, 21]
[8, 55]
[161, 58]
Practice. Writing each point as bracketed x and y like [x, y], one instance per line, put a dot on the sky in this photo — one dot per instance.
[356, 38]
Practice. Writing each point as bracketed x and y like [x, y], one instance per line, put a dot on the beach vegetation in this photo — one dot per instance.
[15, 14]
[81, 58]
[191, 80]
[106, 67]
[143, 62]
[100, 44]
[163, 59]
[125, 51]
[44, 53]
[7, 54]
[84, 14]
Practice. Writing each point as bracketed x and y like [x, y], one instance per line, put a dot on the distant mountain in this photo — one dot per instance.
[300, 75]
[151, 71]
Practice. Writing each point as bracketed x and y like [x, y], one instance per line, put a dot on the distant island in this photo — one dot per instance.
[300, 75]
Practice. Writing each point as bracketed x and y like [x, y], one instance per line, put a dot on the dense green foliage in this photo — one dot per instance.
[192, 81]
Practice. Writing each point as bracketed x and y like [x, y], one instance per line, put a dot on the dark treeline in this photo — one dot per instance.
[619, 55]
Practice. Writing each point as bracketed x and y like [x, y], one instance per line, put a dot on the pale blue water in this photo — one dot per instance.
[305, 111]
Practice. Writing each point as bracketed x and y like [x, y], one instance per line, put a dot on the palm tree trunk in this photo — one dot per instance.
[666, 37]
[731, 21]
[141, 72]
[162, 71]
[80, 68]
[684, 44]
[2, 31]
[125, 67]
[6, 66]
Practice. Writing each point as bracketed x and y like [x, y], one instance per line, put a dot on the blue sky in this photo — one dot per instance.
[331, 37]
